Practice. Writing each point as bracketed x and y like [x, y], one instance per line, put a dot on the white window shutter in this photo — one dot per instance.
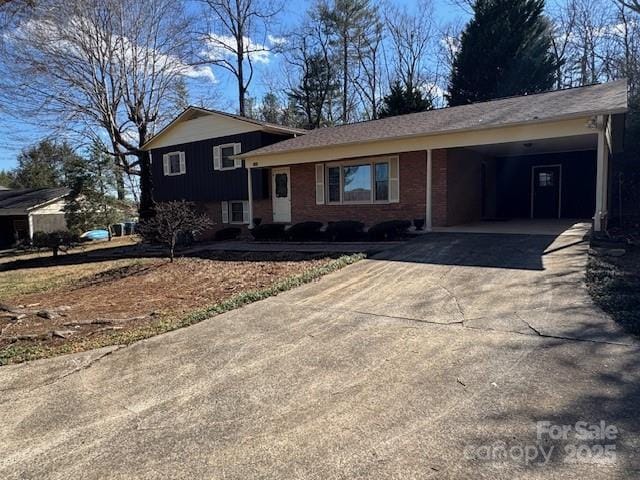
[237, 148]
[225, 212]
[216, 158]
[394, 180]
[183, 165]
[245, 212]
[319, 184]
[165, 164]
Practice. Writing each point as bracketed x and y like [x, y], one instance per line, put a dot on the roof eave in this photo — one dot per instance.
[249, 155]
[48, 202]
[261, 126]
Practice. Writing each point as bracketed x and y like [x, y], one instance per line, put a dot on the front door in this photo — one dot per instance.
[545, 192]
[281, 192]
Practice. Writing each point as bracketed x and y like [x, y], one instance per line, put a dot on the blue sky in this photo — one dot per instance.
[16, 133]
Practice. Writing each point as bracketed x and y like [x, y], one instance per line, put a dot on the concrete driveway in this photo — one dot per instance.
[432, 360]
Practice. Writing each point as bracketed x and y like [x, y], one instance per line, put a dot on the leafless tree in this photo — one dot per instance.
[412, 38]
[632, 4]
[100, 68]
[367, 74]
[563, 24]
[171, 220]
[235, 34]
[310, 73]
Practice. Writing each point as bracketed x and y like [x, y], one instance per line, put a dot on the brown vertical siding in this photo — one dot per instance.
[464, 186]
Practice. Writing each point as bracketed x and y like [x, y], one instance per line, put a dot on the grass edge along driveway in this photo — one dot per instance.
[23, 353]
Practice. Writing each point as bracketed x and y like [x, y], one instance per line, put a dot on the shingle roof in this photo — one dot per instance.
[25, 199]
[191, 109]
[606, 98]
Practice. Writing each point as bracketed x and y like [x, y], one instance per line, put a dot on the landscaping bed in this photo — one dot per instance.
[614, 285]
[91, 304]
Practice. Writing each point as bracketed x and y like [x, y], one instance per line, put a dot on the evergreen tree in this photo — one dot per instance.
[317, 86]
[6, 178]
[402, 100]
[504, 50]
[92, 182]
[43, 165]
[270, 110]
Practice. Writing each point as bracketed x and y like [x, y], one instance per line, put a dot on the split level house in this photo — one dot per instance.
[196, 158]
[545, 155]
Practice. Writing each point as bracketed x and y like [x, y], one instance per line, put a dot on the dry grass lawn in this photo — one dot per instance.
[81, 302]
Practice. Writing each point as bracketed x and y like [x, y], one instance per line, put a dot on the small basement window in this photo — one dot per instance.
[235, 211]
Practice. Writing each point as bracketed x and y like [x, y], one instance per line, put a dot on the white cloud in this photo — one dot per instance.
[276, 41]
[220, 47]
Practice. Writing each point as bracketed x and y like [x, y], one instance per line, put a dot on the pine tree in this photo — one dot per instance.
[270, 110]
[504, 50]
[43, 165]
[401, 100]
[92, 182]
[317, 87]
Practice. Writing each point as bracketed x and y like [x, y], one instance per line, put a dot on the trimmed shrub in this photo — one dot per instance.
[389, 230]
[230, 233]
[344, 231]
[268, 231]
[304, 231]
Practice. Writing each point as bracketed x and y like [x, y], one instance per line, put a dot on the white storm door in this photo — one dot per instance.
[281, 193]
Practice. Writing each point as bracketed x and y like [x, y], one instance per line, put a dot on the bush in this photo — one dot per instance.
[55, 241]
[344, 231]
[304, 231]
[389, 230]
[268, 231]
[40, 240]
[230, 233]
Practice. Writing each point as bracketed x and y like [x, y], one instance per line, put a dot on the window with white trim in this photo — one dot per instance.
[223, 156]
[174, 163]
[358, 182]
[235, 211]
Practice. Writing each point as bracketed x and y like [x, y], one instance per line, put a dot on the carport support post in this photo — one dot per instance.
[429, 215]
[601, 176]
[30, 226]
[250, 196]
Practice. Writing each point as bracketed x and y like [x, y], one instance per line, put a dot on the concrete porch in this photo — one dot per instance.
[522, 226]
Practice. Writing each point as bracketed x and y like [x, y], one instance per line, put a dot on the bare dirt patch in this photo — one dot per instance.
[97, 303]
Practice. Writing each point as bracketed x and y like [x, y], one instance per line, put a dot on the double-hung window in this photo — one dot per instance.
[223, 156]
[174, 163]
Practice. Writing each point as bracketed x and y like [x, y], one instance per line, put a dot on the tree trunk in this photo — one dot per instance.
[345, 79]
[172, 247]
[120, 188]
[147, 207]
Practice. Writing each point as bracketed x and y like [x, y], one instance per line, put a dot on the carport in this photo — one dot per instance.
[540, 179]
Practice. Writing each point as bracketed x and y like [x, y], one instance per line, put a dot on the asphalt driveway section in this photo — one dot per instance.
[402, 366]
